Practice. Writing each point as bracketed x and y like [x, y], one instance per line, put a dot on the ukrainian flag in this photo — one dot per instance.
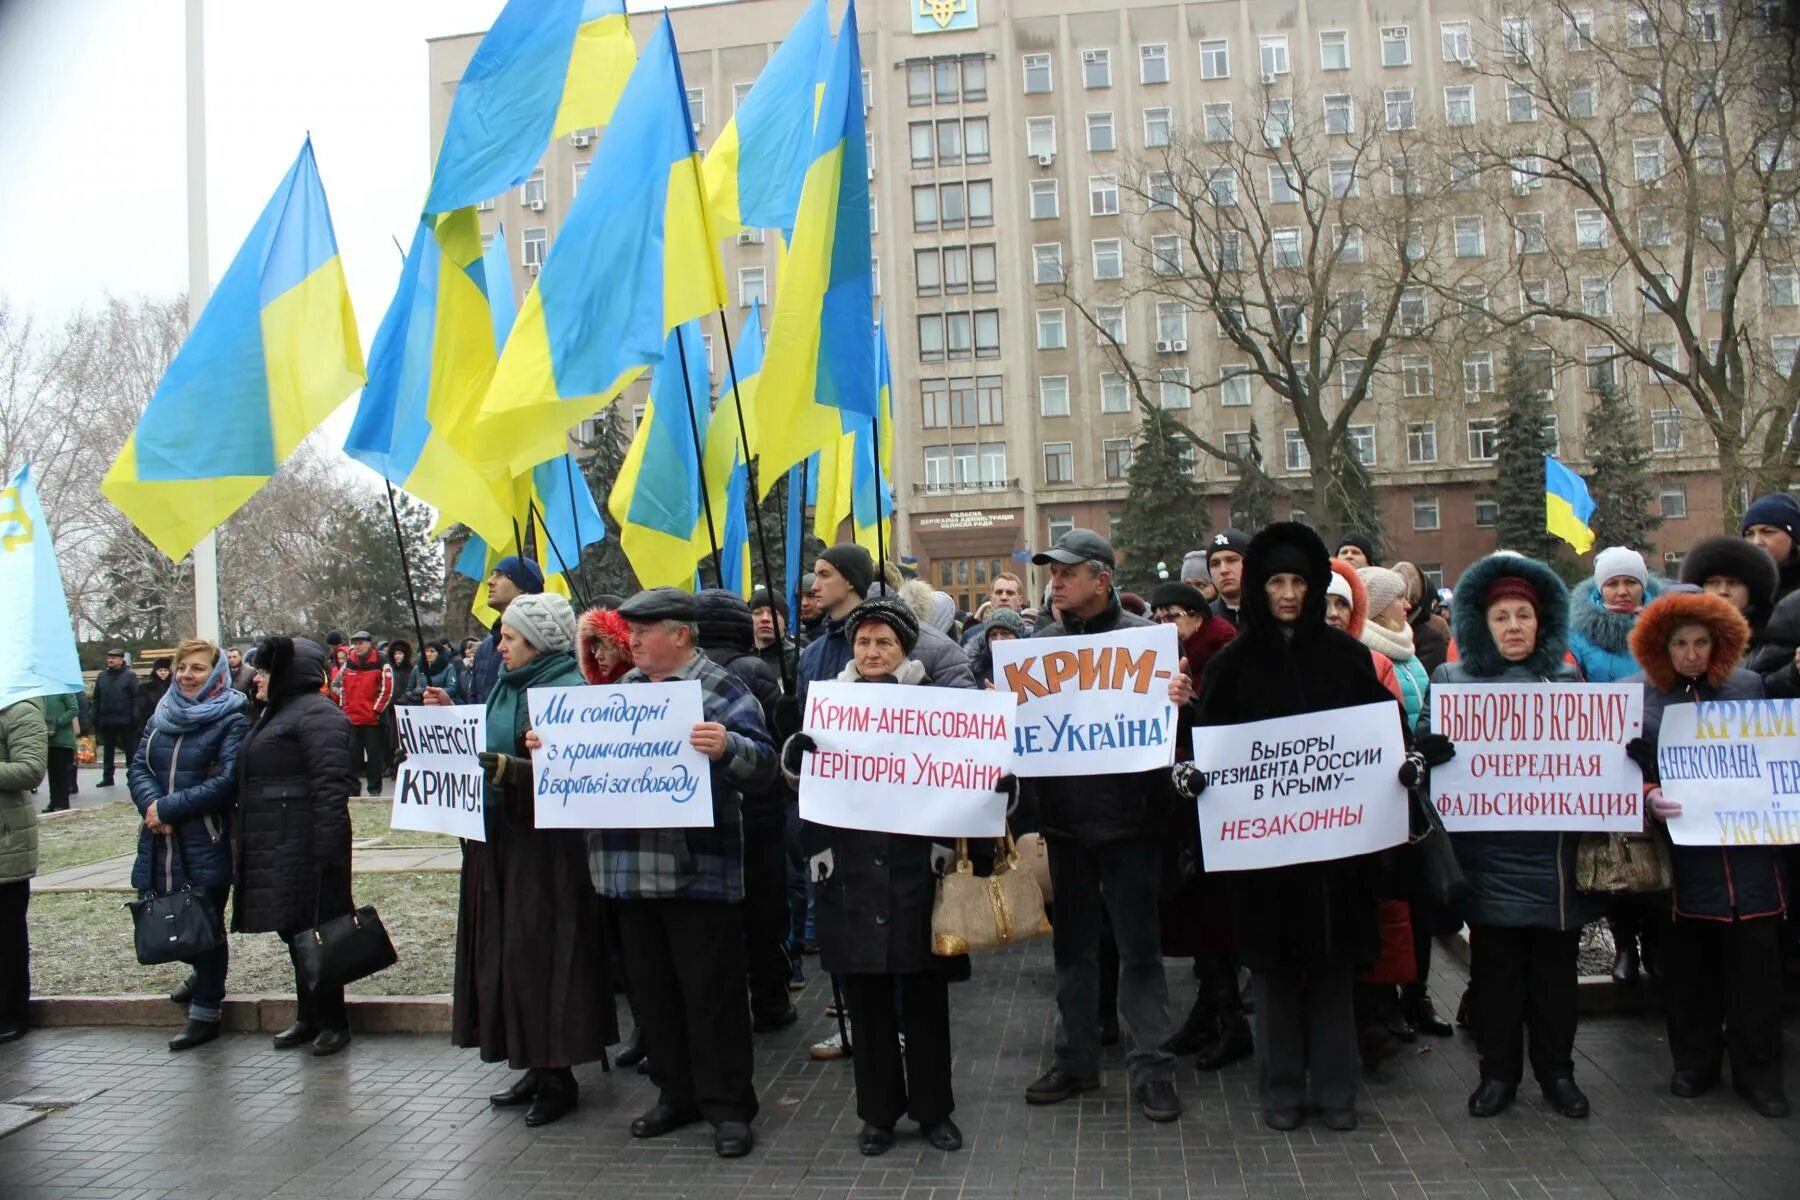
[728, 458]
[636, 258]
[872, 496]
[545, 68]
[757, 163]
[274, 352]
[819, 376]
[659, 499]
[1567, 506]
[803, 481]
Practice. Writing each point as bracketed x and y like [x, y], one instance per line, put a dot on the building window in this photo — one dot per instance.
[1216, 121]
[1396, 46]
[918, 84]
[696, 102]
[1590, 229]
[1109, 258]
[1528, 233]
[1114, 397]
[1284, 188]
[1782, 349]
[1215, 59]
[1459, 105]
[1352, 311]
[1040, 137]
[1361, 439]
[1647, 160]
[580, 177]
[1053, 395]
[1284, 247]
[533, 245]
[1162, 191]
[1156, 128]
[1596, 295]
[1096, 68]
[1059, 467]
[752, 287]
[1334, 50]
[1665, 430]
[987, 333]
[1118, 457]
[1171, 323]
[1278, 121]
[1582, 100]
[1415, 376]
[1295, 454]
[1471, 237]
[1671, 501]
[1348, 241]
[1578, 31]
[934, 403]
[1343, 178]
[1274, 54]
[1100, 132]
[937, 467]
[1421, 442]
[1103, 195]
[1487, 512]
[1478, 373]
[1515, 39]
[1398, 103]
[1174, 388]
[1414, 310]
[1784, 287]
[1037, 74]
[1052, 329]
[1458, 42]
[931, 337]
[1484, 440]
[1234, 385]
[974, 80]
[1600, 367]
[1153, 63]
[1425, 513]
[1165, 253]
[1340, 114]
[1521, 105]
[1044, 203]
[928, 272]
[533, 192]
[925, 207]
[1046, 263]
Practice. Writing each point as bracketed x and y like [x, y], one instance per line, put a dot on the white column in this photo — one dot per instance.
[206, 554]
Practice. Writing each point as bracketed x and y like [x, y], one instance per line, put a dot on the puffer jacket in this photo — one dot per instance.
[192, 778]
[446, 673]
[115, 698]
[1717, 883]
[1600, 639]
[1773, 658]
[1518, 880]
[729, 639]
[367, 688]
[24, 755]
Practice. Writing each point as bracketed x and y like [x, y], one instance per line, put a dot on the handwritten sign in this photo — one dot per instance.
[1734, 766]
[617, 757]
[1539, 756]
[1091, 705]
[1301, 789]
[438, 789]
[917, 760]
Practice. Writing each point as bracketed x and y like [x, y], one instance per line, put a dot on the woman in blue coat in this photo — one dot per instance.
[184, 781]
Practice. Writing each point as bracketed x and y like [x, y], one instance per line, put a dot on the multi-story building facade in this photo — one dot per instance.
[998, 131]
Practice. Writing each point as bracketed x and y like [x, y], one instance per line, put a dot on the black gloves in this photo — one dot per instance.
[1640, 751]
[793, 753]
[1188, 779]
[1412, 769]
[494, 765]
[1008, 785]
[1434, 748]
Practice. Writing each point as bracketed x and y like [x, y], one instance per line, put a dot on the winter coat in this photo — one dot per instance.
[1407, 672]
[1431, 637]
[1311, 914]
[1223, 611]
[149, 695]
[24, 756]
[1713, 882]
[367, 688]
[1600, 639]
[293, 821]
[192, 778]
[1515, 879]
[1098, 809]
[478, 684]
[1773, 657]
[531, 985]
[59, 718]
[446, 673]
[729, 639]
[115, 698]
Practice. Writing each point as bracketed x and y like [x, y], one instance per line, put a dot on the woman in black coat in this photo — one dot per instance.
[293, 829]
[872, 896]
[1305, 931]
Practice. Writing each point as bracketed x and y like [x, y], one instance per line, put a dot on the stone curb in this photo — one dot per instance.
[243, 1014]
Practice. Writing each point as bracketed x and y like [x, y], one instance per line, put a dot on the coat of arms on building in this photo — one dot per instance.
[941, 16]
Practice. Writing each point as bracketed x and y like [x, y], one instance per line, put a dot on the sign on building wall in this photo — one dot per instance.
[942, 16]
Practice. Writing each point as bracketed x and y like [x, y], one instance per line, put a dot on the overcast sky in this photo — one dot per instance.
[93, 143]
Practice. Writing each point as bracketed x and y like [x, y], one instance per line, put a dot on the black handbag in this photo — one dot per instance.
[342, 950]
[177, 927]
[1436, 877]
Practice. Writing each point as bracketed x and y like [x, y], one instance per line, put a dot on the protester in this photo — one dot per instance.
[512, 577]
[1003, 624]
[243, 674]
[1104, 834]
[1773, 522]
[60, 720]
[1511, 620]
[438, 668]
[1303, 930]
[531, 986]
[366, 691]
[1739, 570]
[1357, 549]
[1720, 989]
[400, 663]
[184, 781]
[293, 824]
[340, 659]
[115, 711]
[603, 644]
[683, 943]
[1007, 591]
[149, 695]
[769, 618]
[812, 612]
[874, 893]
[24, 756]
[467, 656]
[1225, 565]
[1195, 574]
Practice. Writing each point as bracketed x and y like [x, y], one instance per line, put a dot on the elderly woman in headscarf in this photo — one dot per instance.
[531, 986]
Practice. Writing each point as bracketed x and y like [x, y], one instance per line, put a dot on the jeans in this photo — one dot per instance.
[210, 968]
[1114, 884]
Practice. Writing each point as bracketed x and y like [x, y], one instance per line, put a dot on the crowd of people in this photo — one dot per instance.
[241, 770]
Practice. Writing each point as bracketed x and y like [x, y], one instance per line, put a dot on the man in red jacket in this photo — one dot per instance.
[368, 690]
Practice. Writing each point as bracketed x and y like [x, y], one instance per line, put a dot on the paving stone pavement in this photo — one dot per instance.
[406, 1116]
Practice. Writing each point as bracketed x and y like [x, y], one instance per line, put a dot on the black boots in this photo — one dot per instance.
[555, 1097]
[1199, 1029]
[1233, 1042]
[196, 1033]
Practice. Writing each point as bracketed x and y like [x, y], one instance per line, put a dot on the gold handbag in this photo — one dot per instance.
[971, 913]
[1623, 862]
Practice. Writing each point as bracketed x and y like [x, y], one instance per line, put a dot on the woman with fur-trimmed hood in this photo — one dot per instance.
[1510, 616]
[603, 643]
[1721, 987]
[1602, 611]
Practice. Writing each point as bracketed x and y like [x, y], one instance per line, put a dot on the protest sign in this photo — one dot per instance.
[1547, 756]
[438, 789]
[1734, 767]
[618, 757]
[1091, 705]
[1301, 789]
[919, 760]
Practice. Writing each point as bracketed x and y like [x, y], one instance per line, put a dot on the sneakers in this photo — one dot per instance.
[1057, 1085]
[829, 1049]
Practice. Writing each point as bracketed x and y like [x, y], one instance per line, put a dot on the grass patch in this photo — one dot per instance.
[369, 819]
[88, 835]
[81, 943]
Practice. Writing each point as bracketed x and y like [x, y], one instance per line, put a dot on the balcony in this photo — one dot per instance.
[963, 489]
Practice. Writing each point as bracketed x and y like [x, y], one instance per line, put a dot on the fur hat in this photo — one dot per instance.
[1737, 559]
[1277, 548]
[1667, 613]
[598, 627]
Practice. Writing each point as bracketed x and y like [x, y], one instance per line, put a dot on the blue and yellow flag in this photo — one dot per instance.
[659, 500]
[872, 495]
[727, 456]
[40, 658]
[802, 482]
[1567, 506]
[274, 352]
[636, 258]
[545, 68]
[819, 376]
[756, 165]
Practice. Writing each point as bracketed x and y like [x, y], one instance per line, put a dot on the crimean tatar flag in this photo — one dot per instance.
[274, 352]
[40, 657]
[1567, 506]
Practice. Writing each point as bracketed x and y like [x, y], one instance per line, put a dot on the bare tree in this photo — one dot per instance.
[1644, 156]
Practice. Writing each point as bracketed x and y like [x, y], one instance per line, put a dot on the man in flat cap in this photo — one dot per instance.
[677, 892]
[114, 709]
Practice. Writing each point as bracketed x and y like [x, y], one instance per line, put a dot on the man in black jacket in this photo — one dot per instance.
[1225, 564]
[1104, 834]
[115, 708]
[769, 626]
[726, 637]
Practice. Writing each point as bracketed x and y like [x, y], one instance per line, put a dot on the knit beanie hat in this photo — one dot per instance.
[1615, 561]
[1340, 587]
[1361, 541]
[1384, 587]
[895, 614]
[544, 619]
[1235, 540]
[1512, 587]
[764, 598]
[1007, 619]
[853, 563]
[522, 571]
[1778, 509]
[1193, 567]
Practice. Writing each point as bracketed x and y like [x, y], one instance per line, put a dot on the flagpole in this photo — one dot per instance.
[206, 553]
[412, 601]
[801, 573]
[712, 536]
[875, 452]
[762, 540]
[568, 576]
[575, 517]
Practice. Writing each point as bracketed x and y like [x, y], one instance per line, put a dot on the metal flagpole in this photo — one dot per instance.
[405, 569]
[206, 553]
[712, 536]
[762, 540]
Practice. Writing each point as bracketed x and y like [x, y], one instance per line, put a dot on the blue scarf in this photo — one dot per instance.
[177, 714]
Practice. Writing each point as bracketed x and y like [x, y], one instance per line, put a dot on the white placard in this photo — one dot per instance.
[1094, 705]
[438, 789]
[1539, 756]
[617, 757]
[1734, 766]
[1301, 789]
[918, 760]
